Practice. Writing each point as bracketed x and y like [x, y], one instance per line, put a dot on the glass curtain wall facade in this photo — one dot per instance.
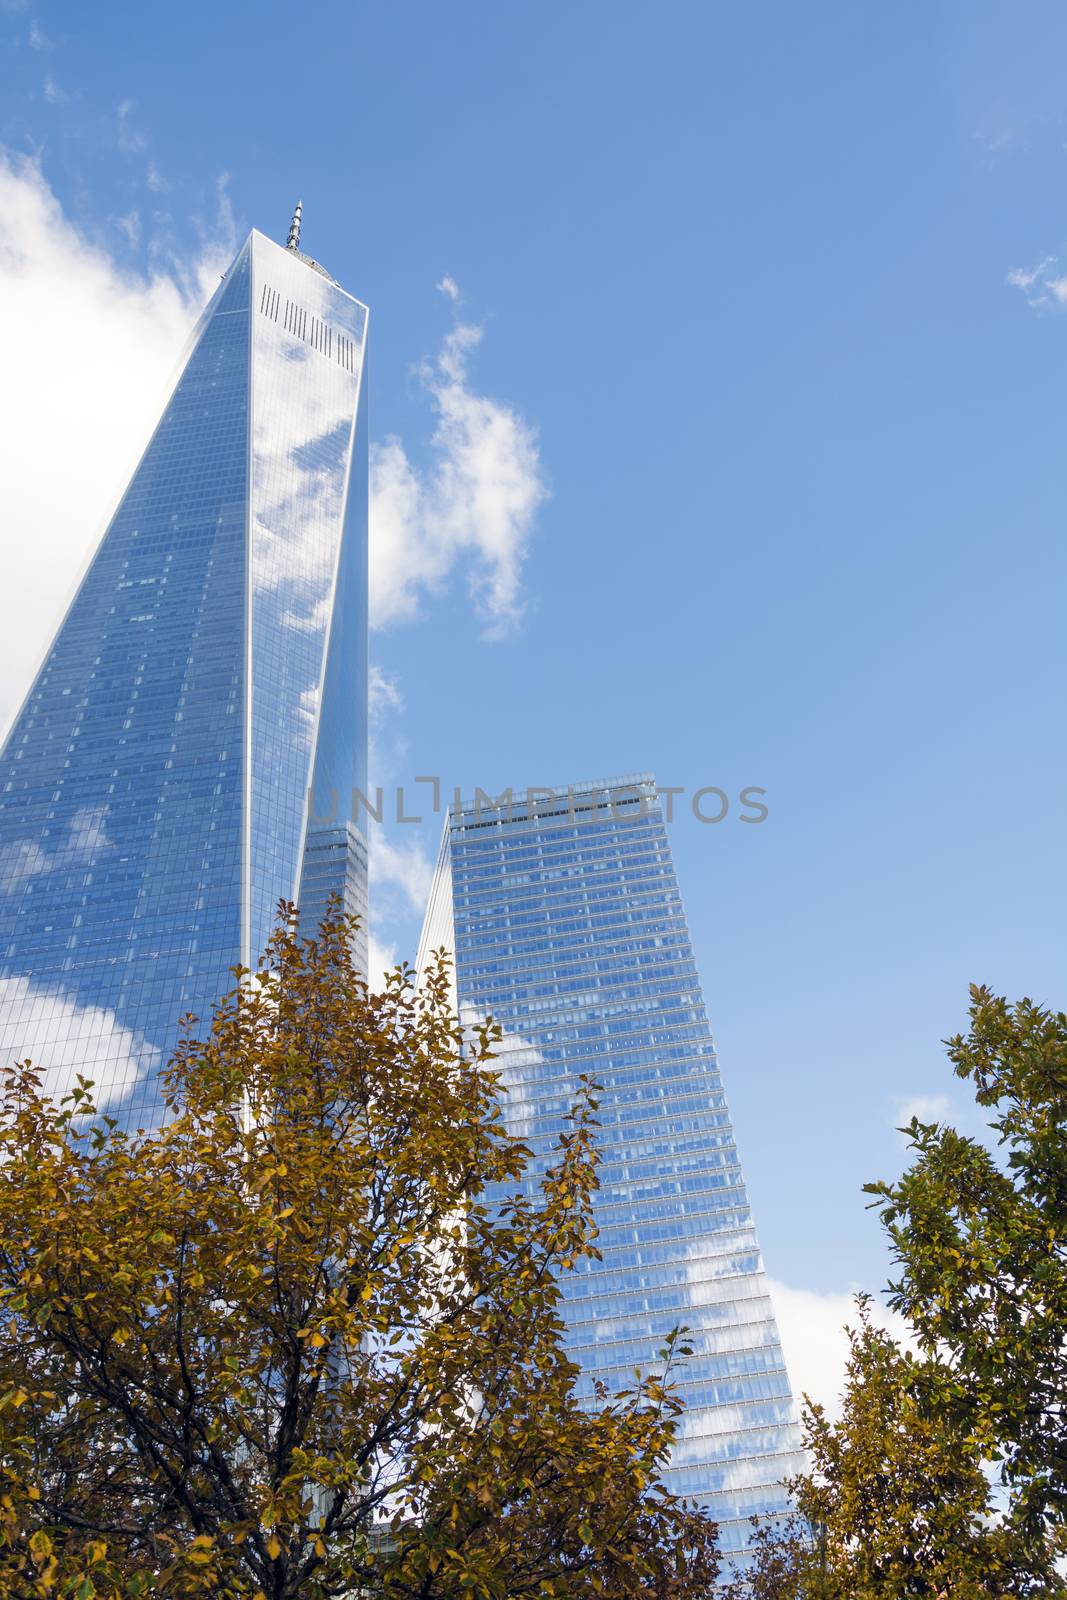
[566, 926]
[208, 678]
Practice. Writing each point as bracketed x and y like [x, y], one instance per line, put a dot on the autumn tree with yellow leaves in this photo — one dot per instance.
[285, 1347]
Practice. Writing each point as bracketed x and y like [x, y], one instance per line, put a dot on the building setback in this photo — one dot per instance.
[210, 672]
[567, 927]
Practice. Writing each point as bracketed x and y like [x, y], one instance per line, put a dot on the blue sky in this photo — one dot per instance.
[766, 420]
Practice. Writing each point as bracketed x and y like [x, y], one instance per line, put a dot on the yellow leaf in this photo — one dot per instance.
[40, 1546]
[274, 1547]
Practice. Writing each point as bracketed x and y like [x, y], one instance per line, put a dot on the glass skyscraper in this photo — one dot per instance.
[566, 926]
[210, 673]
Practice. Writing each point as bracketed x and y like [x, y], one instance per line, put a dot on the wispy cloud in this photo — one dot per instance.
[472, 508]
[217, 230]
[1045, 288]
[52, 92]
[38, 40]
[129, 226]
[155, 179]
[387, 745]
[403, 870]
[383, 693]
[130, 139]
[1025, 277]
[998, 142]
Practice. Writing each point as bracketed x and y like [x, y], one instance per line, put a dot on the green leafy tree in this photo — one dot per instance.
[945, 1474]
[896, 1503]
[284, 1348]
[980, 1239]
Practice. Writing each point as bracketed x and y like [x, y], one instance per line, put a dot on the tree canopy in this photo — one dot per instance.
[945, 1475]
[283, 1346]
[980, 1239]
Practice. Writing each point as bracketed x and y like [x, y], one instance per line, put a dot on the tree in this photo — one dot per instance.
[285, 1346]
[896, 1503]
[981, 1243]
[945, 1474]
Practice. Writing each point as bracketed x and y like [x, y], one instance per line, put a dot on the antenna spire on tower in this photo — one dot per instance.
[293, 241]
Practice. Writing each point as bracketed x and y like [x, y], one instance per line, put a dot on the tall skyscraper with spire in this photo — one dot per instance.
[562, 913]
[209, 676]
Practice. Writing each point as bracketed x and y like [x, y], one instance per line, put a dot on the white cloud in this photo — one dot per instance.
[381, 958]
[52, 92]
[964, 1115]
[88, 348]
[383, 693]
[927, 1107]
[1043, 289]
[155, 179]
[386, 745]
[473, 507]
[405, 868]
[449, 286]
[39, 40]
[812, 1327]
[1026, 277]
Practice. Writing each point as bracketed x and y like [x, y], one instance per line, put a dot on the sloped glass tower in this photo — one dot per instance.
[210, 675]
[566, 926]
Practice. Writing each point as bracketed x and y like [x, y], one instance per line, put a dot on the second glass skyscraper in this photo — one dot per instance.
[567, 928]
